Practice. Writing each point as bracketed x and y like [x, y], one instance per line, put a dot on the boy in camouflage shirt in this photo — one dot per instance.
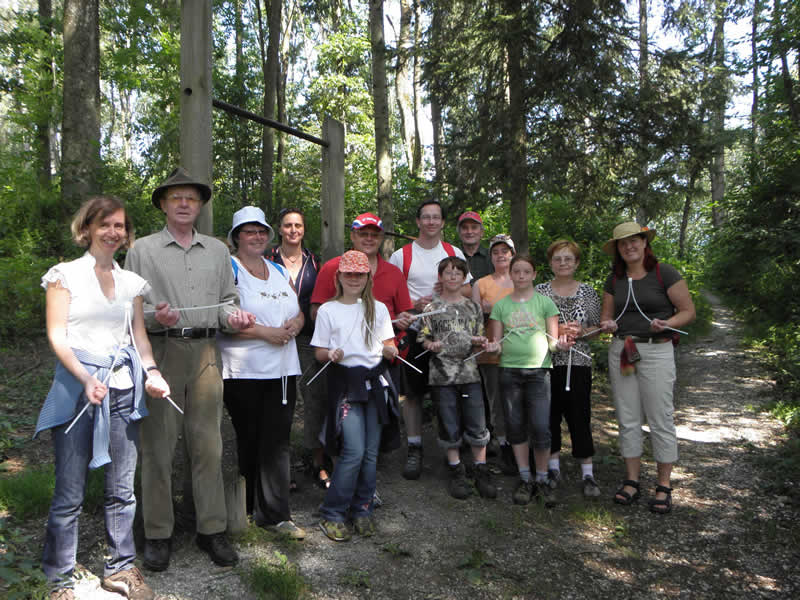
[451, 336]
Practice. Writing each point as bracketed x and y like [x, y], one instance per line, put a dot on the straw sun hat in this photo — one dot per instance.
[625, 230]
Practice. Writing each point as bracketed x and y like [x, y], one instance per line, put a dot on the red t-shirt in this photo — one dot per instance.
[388, 286]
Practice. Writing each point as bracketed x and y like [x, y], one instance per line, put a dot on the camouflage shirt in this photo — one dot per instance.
[454, 328]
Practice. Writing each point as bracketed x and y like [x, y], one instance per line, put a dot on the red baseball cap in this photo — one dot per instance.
[365, 220]
[471, 215]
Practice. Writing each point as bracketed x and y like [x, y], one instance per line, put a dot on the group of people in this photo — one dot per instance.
[361, 339]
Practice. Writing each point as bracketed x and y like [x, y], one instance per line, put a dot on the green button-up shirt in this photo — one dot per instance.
[480, 264]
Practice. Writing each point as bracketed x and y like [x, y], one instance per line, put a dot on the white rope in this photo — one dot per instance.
[400, 358]
[425, 314]
[226, 303]
[632, 294]
[569, 369]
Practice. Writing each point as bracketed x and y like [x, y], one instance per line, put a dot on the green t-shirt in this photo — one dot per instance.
[526, 347]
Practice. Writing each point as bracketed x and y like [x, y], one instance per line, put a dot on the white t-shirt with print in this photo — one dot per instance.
[424, 271]
[342, 326]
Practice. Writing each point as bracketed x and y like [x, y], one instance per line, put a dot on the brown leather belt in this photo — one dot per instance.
[186, 333]
[645, 340]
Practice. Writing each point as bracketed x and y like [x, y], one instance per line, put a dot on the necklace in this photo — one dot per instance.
[263, 270]
[291, 259]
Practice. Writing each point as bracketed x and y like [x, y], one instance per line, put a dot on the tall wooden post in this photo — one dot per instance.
[195, 142]
[332, 189]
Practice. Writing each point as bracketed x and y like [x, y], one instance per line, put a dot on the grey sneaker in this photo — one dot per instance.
[364, 526]
[590, 487]
[524, 492]
[413, 467]
[483, 481]
[338, 532]
[458, 486]
[130, 584]
[287, 528]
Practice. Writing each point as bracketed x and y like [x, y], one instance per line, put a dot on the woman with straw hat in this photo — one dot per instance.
[645, 303]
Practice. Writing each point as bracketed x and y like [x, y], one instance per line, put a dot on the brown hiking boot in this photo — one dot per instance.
[130, 584]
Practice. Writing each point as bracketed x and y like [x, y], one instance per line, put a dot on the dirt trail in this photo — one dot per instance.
[733, 532]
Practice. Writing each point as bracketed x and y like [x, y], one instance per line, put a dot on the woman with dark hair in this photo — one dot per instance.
[259, 369]
[95, 325]
[303, 267]
[644, 301]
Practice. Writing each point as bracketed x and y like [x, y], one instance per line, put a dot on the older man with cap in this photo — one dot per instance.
[470, 231]
[192, 296]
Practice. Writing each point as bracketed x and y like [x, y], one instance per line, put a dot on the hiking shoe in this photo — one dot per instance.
[413, 462]
[553, 477]
[129, 583]
[62, 593]
[218, 548]
[338, 532]
[483, 481]
[156, 554]
[287, 528]
[364, 526]
[508, 464]
[524, 492]
[590, 487]
[458, 486]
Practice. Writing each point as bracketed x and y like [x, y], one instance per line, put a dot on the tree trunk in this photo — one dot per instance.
[416, 166]
[687, 208]
[383, 143]
[754, 108]
[718, 117]
[642, 185]
[440, 176]
[517, 181]
[403, 83]
[45, 115]
[80, 160]
[270, 70]
[239, 100]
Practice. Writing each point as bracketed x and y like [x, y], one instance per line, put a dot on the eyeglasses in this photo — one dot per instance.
[254, 232]
[563, 259]
[432, 218]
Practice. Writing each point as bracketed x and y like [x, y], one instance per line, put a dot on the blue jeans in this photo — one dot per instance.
[73, 451]
[353, 483]
[526, 403]
[461, 414]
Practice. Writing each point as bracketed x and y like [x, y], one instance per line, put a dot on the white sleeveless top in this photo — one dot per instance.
[272, 302]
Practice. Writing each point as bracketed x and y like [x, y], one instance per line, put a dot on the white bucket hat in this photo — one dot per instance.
[249, 214]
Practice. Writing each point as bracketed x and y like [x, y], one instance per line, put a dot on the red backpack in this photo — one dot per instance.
[408, 255]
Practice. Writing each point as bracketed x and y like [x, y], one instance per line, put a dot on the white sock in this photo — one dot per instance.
[415, 440]
[541, 476]
[525, 473]
[586, 469]
[554, 464]
[454, 464]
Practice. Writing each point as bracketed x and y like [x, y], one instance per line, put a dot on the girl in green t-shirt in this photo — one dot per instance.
[523, 326]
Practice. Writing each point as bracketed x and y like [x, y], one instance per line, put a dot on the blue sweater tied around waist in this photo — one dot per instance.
[66, 399]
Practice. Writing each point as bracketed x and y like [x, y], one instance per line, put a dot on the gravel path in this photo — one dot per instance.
[733, 533]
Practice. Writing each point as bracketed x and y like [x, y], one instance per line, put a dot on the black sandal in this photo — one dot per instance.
[627, 499]
[661, 507]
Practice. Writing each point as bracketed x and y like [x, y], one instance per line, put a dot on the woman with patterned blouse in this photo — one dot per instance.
[579, 308]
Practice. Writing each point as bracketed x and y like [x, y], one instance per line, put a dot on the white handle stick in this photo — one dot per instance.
[421, 353]
[318, 372]
[372, 333]
[226, 303]
[569, 369]
[401, 359]
[500, 341]
[425, 314]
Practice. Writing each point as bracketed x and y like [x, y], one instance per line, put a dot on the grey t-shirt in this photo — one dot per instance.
[649, 294]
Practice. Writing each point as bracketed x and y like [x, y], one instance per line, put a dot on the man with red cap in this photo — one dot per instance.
[470, 230]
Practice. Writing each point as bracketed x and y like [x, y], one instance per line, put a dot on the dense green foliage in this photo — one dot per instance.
[608, 136]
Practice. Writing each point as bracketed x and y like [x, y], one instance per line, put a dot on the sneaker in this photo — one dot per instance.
[156, 554]
[129, 583]
[364, 526]
[338, 532]
[458, 486]
[508, 464]
[524, 492]
[62, 593]
[590, 487]
[287, 528]
[483, 481]
[413, 462]
[218, 548]
[553, 477]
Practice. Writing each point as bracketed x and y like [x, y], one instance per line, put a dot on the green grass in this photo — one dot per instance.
[277, 579]
[357, 579]
[30, 493]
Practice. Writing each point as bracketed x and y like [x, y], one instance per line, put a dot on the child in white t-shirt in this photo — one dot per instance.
[354, 332]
